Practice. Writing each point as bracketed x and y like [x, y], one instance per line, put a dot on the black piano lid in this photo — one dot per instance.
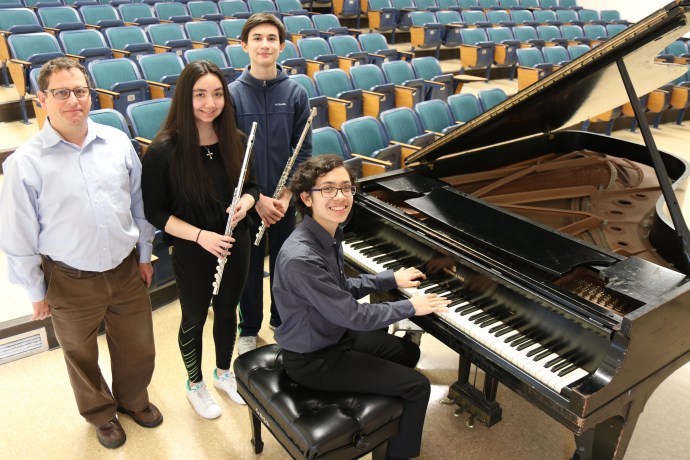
[586, 87]
[534, 245]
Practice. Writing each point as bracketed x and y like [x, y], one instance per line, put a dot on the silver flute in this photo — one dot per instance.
[288, 167]
[235, 199]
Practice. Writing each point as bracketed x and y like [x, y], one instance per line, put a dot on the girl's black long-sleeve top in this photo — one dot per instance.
[163, 199]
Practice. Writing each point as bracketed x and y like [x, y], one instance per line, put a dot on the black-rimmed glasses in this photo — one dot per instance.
[331, 192]
[80, 92]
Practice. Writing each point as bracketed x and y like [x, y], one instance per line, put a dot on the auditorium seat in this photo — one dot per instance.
[365, 137]
[464, 107]
[234, 9]
[317, 101]
[146, 118]
[405, 128]
[329, 24]
[370, 77]
[425, 31]
[118, 83]
[173, 12]
[505, 48]
[214, 55]
[139, 14]
[436, 117]
[101, 16]
[376, 43]
[291, 60]
[161, 71]
[383, 17]
[58, 18]
[298, 27]
[205, 33]
[347, 46]
[429, 69]
[491, 97]
[232, 29]
[170, 37]
[476, 51]
[88, 44]
[401, 73]
[238, 58]
[328, 140]
[113, 118]
[128, 41]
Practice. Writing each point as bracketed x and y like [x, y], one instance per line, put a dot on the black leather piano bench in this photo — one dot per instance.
[312, 424]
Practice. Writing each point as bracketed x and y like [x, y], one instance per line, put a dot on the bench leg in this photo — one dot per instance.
[380, 452]
[256, 431]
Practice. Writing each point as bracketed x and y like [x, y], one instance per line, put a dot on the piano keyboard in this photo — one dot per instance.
[482, 319]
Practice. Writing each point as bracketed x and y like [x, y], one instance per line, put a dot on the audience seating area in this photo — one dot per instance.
[376, 103]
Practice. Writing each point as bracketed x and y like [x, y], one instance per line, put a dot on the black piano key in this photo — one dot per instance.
[554, 361]
[488, 322]
[526, 344]
[535, 351]
[542, 355]
[457, 301]
[478, 316]
[503, 331]
[567, 370]
[561, 365]
[517, 341]
[467, 311]
[511, 337]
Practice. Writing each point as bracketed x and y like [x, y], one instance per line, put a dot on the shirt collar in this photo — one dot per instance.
[324, 238]
[51, 137]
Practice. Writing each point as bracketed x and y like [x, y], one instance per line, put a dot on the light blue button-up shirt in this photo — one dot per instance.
[80, 206]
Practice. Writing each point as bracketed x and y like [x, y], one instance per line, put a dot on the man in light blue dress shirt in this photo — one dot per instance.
[73, 228]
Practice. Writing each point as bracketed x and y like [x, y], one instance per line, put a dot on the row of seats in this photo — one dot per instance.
[380, 144]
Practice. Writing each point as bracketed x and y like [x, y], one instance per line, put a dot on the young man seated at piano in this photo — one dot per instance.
[330, 340]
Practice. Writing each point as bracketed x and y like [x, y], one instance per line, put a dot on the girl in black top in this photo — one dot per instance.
[188, 178]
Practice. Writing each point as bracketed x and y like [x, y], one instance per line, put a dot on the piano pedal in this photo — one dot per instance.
[474, 402]
[458, 412]
[447, 402]
[470, 422]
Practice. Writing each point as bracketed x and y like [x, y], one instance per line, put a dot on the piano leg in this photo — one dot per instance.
[609, 438]
[480, 405]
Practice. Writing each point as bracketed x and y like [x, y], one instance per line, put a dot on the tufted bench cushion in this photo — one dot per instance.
[312, 424]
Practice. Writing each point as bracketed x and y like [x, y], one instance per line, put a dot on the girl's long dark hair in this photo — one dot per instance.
[180, 129]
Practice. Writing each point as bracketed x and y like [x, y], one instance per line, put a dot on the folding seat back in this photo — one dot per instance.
[575, 51]
[163, 68]
[214, 55]
[610, 16]
[551, 34]
[238, 58]
[401, 73]
[349, 9]
[553, 4]
[469, 4]
[403, 125]
[523, 17]
[329, 24]
[172, 11]
[19, 21]
[499, 18]
[113, 118]
[298, 27]
[425, 32]
[232, 29]
[530, 4]
[318, 49]
[475, 18]
[315, 100]
[146, 119]
[348, 46]
[206, 10]
[510, 4]
[570, 4]
[546, 17]
[436, 116]
[369, 77]
[428, 68]
[328, 140]
[88, 43]
[452, 23]
[404, 8]
[10, 4]
[568, 17]
[489, 4]
[595, 32]
[206, 33]
[490, 98]
[59, 18]
[464, 107]
[448, 5]
[120, 76]
[556, 55]
[290, 59]
[476, 51]
[528, 36]
[572, 33]
[35, 48]
[138, 13]
[234, 9]
[377, 46]
[42, 3]
[383, 17]
[589, 16]
[365, 136]
[336, 84]
[613, 29]
[290, 7]
[532, 66]
[427, 5]
[262, 6]
[505, 48]
[102, 16]
[169, 35]
[128, 41]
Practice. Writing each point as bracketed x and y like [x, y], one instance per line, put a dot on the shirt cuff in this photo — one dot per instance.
[37, 293]
[145, 251]
[387, 280]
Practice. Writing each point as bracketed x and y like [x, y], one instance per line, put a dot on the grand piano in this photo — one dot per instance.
[564, 252]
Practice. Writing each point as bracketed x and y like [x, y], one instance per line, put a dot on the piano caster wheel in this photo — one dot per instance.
[470, 422]
[458, 412]
[447, 402]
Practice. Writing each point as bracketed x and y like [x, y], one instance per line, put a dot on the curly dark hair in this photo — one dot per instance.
[306, 174]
